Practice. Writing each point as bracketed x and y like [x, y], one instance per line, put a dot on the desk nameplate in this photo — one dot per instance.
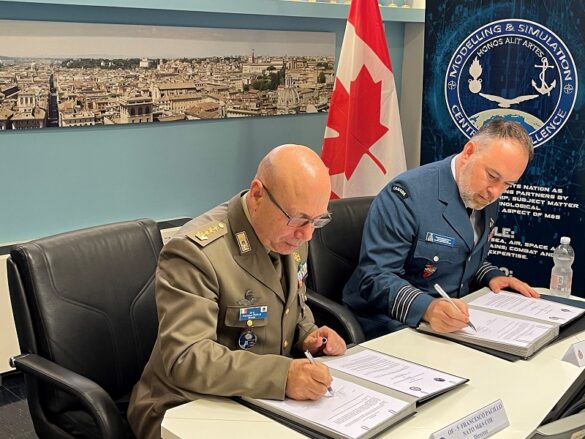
[482, 423]
[576, 354]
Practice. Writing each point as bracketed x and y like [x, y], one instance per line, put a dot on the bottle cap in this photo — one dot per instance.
[565, 240]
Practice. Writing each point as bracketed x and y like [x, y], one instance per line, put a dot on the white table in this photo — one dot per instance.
[528, 390]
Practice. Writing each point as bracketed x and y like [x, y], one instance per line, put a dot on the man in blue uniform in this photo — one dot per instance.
[432, 225]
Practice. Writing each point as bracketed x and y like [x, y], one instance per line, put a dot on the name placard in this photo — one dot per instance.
[576, 354]
[482, 423]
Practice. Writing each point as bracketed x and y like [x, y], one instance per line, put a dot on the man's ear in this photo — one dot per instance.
[468, 150]
[256, 191]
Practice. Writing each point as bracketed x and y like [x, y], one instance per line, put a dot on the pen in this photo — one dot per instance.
[444, 295]
[312, 360]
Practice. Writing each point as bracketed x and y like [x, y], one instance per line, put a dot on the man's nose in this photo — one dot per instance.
[496, 189]
[305, 233]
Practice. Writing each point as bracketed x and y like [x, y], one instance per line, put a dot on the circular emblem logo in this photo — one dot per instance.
[516, 70]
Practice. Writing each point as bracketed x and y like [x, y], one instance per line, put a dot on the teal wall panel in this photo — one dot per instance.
[60, 179]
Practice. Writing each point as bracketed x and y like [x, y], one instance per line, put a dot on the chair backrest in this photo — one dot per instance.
[85, 300]
[334, 250]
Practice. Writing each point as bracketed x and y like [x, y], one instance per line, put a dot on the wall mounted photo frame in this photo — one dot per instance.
[57, 74]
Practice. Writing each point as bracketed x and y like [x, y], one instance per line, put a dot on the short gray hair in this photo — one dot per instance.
[504, 129]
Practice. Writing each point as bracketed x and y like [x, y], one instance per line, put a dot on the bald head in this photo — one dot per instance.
[291, 181]
[294, 168]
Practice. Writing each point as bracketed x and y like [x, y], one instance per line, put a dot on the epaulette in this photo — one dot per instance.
[208, 233]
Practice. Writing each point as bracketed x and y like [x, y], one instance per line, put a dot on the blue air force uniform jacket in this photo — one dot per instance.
[417, 233]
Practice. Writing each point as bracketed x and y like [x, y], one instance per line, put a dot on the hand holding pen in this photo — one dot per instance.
[312, 360]
[445, 296]
[307, 379]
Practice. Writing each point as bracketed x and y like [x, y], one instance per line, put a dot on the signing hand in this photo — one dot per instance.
[306, 380]
[443, 317]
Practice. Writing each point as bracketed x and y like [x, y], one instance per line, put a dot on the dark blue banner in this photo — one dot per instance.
[520, 60]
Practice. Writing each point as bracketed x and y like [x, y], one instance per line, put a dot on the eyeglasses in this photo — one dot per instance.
[300, 221]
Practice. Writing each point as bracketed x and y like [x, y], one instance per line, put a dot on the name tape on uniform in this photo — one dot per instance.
[253, 313]
[435, 238]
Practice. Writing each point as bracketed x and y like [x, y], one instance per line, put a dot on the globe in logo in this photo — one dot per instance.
[513, 69]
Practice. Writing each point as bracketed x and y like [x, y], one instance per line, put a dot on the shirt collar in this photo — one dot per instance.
[455, 176]
[243, 199]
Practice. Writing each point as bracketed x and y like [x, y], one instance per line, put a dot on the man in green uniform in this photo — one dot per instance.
[230, 295]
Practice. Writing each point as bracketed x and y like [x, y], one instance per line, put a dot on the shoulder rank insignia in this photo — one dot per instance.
[209, 233]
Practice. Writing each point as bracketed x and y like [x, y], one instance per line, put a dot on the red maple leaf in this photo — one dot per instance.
[356, 117]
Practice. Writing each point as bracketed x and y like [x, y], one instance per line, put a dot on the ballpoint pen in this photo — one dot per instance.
[444, 295]
[312, 360]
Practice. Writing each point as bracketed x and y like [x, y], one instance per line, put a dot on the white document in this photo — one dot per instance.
[541, 309]
[351, 411]
[395, 373]
[503, 329]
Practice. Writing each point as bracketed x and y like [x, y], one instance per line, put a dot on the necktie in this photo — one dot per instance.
[469, 211]
[275, 259]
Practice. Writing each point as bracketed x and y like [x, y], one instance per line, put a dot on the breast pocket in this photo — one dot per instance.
[432, 261]
[234, 329]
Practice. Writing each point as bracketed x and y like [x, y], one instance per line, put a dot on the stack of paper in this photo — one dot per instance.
[512, 323]
[371, 392]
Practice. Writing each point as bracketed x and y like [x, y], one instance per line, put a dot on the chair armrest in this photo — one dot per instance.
[567, 427]
[338, 314]
[93, 397]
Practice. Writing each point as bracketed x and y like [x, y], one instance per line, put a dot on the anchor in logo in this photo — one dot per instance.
[475, 71]
[515, 74]
[544, 88]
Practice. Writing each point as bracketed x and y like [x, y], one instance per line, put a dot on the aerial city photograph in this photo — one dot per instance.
[55, 74]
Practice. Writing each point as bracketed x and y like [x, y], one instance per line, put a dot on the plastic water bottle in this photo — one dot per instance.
[561, 275]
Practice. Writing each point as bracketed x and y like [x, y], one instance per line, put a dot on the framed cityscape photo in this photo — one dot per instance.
[55, 74]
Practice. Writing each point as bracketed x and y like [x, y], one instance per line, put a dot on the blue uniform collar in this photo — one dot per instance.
[454, 213]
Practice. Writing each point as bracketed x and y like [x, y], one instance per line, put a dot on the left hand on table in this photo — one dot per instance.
[335, 345]
[500, 282]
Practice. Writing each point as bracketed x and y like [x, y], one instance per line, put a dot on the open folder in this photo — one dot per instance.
[371, 392]
[511, 323]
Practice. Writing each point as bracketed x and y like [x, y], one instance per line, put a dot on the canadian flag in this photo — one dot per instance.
[363, 146]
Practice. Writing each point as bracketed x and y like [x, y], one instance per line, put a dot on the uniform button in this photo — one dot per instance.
[286, 311]
[469, 259]
[461, 286]
[285, 344]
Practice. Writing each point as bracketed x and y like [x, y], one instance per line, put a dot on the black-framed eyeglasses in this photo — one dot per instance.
[300, 221]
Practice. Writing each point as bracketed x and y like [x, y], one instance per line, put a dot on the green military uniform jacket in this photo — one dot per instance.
[211, 269]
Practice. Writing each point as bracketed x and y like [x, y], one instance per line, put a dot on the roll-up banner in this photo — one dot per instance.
[520, 60]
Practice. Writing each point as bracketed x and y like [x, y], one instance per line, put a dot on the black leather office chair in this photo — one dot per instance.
[333, 255]
[85, 314]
